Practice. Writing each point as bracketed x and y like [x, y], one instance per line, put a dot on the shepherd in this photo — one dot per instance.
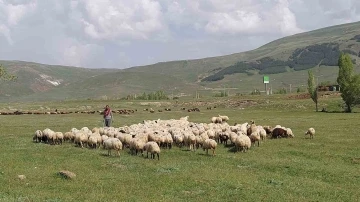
[107, 116]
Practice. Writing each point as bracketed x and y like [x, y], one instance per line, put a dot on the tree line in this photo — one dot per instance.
[348, 81]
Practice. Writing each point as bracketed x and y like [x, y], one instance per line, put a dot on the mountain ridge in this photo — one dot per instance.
[286, 60]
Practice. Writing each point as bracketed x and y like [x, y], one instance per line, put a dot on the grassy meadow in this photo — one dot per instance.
[325, 168]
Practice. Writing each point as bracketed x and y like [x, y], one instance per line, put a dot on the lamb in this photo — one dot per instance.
[153, 148]
[112, 143]
[209, 144]
[311, 132]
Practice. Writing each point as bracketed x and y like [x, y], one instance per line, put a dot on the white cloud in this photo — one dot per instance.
[125, 33]
[122, 19]
[6, 32]
[78, 54]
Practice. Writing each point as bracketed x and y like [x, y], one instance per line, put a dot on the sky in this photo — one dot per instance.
[126, 33]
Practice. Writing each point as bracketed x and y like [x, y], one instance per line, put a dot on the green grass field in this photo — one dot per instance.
[325, 168]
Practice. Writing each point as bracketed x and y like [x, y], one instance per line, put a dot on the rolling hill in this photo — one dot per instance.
[285, 60]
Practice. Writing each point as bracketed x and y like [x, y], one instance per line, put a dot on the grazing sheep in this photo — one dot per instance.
[113, 143]
[289, 133]
[242, 143]
[209, 144]
[279, 133]
[268, 129]
[311, 132]
[38, 136]
[153, 148]
[59, 137]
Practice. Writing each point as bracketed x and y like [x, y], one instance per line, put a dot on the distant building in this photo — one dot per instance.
[329, 88]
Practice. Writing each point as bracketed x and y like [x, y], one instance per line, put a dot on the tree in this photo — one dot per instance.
[349, 83]
[312, 88]
[4, 75]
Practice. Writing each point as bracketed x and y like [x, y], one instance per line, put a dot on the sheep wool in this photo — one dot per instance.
[113, 144]
[310, 132]
[152, 148]
[210, 144]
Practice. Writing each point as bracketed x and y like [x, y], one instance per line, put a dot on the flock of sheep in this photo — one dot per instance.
[153, 135]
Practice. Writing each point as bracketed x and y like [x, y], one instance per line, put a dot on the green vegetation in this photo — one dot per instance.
[349, 83]
[313, 89]
[325, 168]
[301, 59]
[4, 75]
[286, 60]
[158, 95]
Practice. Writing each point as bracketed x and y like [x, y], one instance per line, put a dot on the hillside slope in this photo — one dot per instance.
[286, 60]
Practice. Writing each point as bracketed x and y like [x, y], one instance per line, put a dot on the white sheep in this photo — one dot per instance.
[113, 144]
[224, 118]
[242, 143]
[289, 133]
[59, 137]
[255, 137]
[311, 132]
[153, 148]
[81, 138]
[38, 136]
[209, 144]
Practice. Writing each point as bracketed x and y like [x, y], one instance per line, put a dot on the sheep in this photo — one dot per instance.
[262, 132]
[209, 144]
[252, 128]
[216, 119]
[224, 137]
[224, 118]
[49, 135]
[137, 144]
[95, 140]
[310, 132]
[112, 143]
[289, 133]
[59, 137]
[278, 133]
[68, 136]
[255, 137]
[80, 138]
[153, 148]
[242, 143]
[38, 136]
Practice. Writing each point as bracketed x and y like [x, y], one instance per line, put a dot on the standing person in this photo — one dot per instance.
[107, 116]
